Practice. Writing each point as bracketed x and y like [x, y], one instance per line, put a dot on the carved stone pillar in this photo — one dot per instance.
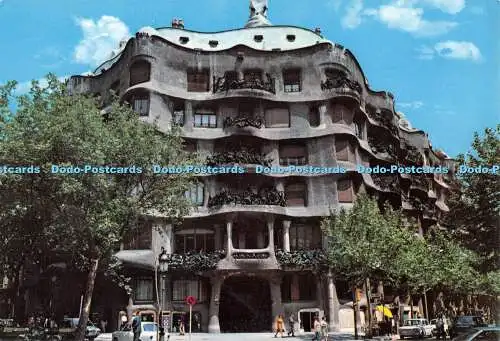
[213, 314]
[229, 235]
[286, 235]
[162, 237]
[322, 113]
[189, 117]
[270, 230]
[277, 306]
[333, 304]
[280, 185]
[275, 153]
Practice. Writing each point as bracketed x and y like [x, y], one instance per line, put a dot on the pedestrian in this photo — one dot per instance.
[181, 327]
[279, 326]
[324, 329]
[440, 328]
[317, 329]
[291, 325]
[136, 327]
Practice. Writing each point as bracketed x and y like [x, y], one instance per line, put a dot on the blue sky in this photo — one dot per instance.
[440, 58]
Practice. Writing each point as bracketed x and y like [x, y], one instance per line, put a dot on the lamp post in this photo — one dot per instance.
[163, 269]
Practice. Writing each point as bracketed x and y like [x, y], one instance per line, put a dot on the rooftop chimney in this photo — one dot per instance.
[258, 14]
[317, 30]
[181, 24]
[175, 23]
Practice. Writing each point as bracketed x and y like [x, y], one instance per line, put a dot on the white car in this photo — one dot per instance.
[149, 331]
[416, 328]
[91, 331]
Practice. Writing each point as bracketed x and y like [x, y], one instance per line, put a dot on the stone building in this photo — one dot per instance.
[272, 95]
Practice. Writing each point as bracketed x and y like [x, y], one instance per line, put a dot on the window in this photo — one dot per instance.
[290, 37]
[345, 191]
[314, 116]
[258, 38]
[286, 285]
[291, 80]
[190, 146]
[359, 129]
[307, 287]
[198, 81]
[140, 72]
[140, 237]
[342, 114]
[140, 104]
[334, 73]
[296, 194]
[304, 237]
[183, 288]
[293, 155]
[144, 289]
[196, 194]
[205, 119]
[277, 117]
[344, 150]
[178, 114]
[252, 75]
[197, 240]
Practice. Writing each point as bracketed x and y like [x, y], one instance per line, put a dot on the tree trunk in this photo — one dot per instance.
[87, 300]
[368, 291]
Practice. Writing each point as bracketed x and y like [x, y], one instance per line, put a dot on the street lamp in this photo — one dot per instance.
[163, 269]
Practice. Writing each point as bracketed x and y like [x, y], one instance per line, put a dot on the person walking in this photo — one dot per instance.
[182, 330]
[324, 329]
[136, 326]
[291, 325]
[317, 329]
[279, 326]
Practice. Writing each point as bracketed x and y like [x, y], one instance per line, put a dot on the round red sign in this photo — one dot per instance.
[191, 300]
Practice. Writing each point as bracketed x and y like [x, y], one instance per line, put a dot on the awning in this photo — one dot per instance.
[385, 310]
[137, 258]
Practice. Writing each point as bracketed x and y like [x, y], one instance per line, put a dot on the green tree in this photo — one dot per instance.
[474, 214]
[83, 216]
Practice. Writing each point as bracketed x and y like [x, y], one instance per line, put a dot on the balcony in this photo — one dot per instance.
[386, 182]
[244, 157]
[244, 121]
[195, 261]
[223, 84]
[264, 197]
[251, 254]
[341, 82]
[303, 259]
[381, 147]
[414, 156]
[420, 182]
[383, 120]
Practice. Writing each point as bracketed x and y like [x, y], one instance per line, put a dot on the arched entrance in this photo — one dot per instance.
[245, 305]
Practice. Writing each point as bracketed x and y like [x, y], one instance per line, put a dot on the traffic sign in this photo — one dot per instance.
[191, 300]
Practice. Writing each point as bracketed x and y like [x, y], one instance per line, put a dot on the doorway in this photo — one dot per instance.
[306, 319]
[245, 305]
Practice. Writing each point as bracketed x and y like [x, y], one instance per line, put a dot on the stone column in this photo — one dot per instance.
[322, 113]
[229, 234]
[333, 304]
[213, 314]
[280, 185]
[169, 238]
[277, 306]
[188, 116]
[286, 235]
[320, 292]
[270, 229]
[274, 153]
[163, 236]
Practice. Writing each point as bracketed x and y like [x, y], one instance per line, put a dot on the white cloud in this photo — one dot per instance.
[447, 6]
[411, 105]
[401, 15]
[352, 18]
[24, 87]
[404, 15]
[335, 4]
[100, 38]
[462, 50]
[458, 50]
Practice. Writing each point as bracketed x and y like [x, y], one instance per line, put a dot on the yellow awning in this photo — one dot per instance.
[385, 310]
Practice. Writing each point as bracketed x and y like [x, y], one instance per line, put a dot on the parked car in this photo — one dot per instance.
[464, 324]
[416, 328]
[71, 323]
[482, 333]
[447, 326]
[149, 331]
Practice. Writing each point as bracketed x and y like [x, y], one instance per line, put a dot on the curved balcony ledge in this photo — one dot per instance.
[231, 263]
[155, 86]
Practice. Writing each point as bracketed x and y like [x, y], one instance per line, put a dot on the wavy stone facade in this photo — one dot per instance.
[299, 99]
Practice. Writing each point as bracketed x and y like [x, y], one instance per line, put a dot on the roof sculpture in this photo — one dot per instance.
[258, 14]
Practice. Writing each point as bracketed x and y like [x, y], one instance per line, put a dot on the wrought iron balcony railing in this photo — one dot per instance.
[251, 255]
[413, 155]
[378, 147]
[223, 84]
[384, 120]
[248, 197]
[340, 82]
[244, 156]
[386, 182]
[243, 122]
[421, 182]
[306, 259]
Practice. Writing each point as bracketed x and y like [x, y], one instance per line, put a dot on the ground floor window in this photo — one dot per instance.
[144, 289]
[183, 288]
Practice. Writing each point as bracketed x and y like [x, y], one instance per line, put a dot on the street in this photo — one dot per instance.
[249, 337]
